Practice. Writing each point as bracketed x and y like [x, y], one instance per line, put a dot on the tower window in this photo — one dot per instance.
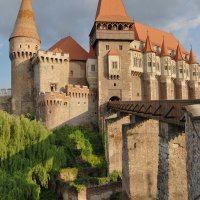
[93, 68]
[71, 72]
[53, 87]
[120, 47]
[107, 47]
[114, 65]
[115, 84]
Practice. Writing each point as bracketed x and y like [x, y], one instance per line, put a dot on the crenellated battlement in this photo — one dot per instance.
[53, 99]
[5, 92]
[77, 91]
[50, 57]
[21, 55]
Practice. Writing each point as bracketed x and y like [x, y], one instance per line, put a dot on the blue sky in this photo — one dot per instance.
[57, 19]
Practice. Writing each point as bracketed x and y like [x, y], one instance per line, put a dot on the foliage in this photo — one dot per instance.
[117, 196]
[68, 174]
[27, 156]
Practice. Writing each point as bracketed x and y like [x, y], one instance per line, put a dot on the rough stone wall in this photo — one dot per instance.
[77, 73]
[5, 103]
[82, 105]
[140, 159]
[93, 193]
[172, 175]
[21, 51]
[192, 130]
[50, 68]
[108, 88]
[114, 142]
[137, 88]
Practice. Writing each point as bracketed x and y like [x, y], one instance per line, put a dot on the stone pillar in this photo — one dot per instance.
[172, 175]
[192, 130]
[151, 87]
[166, 88]
[181, 89]
[194, 92]
[140, 159]
[114, 142]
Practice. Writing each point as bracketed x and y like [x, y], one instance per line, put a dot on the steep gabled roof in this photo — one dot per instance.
[148, 46]
[164, 50]
[192, 58]
[156, 36]
[69, 45]
[179, 55]
[91, 54]
[25, 25]
[112, 11]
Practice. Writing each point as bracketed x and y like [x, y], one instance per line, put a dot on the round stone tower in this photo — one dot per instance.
[24, 43]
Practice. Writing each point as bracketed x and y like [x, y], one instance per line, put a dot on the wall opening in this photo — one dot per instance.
[114, 98]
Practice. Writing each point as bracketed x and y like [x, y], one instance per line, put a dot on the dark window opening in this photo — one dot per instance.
[114, 98]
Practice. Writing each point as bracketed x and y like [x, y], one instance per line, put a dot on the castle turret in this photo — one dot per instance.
[194, 76]
[24, 43]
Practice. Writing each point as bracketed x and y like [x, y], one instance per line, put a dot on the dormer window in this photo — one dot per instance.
[114, 65]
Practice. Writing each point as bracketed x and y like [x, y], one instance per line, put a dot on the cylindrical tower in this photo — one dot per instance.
[24, 43]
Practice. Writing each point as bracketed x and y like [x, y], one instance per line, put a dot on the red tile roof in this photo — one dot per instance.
[112, 11]
[192, 59]
[156, 36]
[69, 45]
[91, 54]
[148, 46]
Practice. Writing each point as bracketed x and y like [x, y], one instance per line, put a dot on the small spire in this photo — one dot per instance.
[179, 55]
[164, 50]
[25, 25]
[192, 58]
[148, 46]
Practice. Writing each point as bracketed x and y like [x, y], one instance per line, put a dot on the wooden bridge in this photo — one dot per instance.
[170, 111]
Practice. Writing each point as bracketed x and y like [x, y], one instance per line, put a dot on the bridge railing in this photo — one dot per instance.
[170, 111]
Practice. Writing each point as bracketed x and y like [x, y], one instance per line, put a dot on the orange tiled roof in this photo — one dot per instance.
[69, 45]
[148, 46]
[164, 51]
[179, 55]
[156, 36]
[25, 25]
[91, 54]
[112, 11]
[113, 52]
[192, 59]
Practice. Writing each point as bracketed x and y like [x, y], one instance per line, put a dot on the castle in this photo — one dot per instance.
[127, 61]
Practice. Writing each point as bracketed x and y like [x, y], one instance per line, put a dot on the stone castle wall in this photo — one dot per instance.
[77, 106]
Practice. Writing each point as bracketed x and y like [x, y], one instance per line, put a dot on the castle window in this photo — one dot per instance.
[120, 27]
[29, 46]
[149, 64]
[181, 71]
[20, 46]
[109, 27]
[71, 72]
[115, 84]
[114, 65]
[158, 66]
[52, 67]
[53, 87]
[107, 47]
[120, 47]
[135, 62]
[194, 73]
[93, 68]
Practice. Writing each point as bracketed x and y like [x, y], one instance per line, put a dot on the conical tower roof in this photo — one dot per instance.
[112, 11]
[192, 59]
[164, 51]
[179, 55]
[148, 46]
[25, 25]
[91, 54]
